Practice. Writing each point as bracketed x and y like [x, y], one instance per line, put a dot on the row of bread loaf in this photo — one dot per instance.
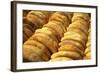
[33, 20]
[45, 40]
[73, 44]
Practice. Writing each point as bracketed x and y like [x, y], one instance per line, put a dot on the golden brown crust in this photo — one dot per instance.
[61, 25]
[44, 42]
[30, 54]
[82, 22]
[80, 32]
[70, 54]
[51, 44]
[37, 50]
[39, 45]
[56, 27]
[47, 32]
[34, 20]
[39, 16]
[70, 47]
[74, 36]
[73, 42]
[60, 59]
[60, 17]
[84, 16]
[79, 26]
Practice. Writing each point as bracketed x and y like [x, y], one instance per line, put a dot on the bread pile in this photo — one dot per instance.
[73, 44]
[87, 53]
[45, 41]
[33, 20]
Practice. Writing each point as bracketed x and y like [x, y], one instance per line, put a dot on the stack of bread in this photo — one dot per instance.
[44, 42]
[73, 43]
[58, 23]
[33, 20]
[87, 53]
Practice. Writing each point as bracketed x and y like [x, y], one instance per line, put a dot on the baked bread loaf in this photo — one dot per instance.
[58, 23]
[45, 41]
[56, 36]
[33, 20]
[73, 44]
